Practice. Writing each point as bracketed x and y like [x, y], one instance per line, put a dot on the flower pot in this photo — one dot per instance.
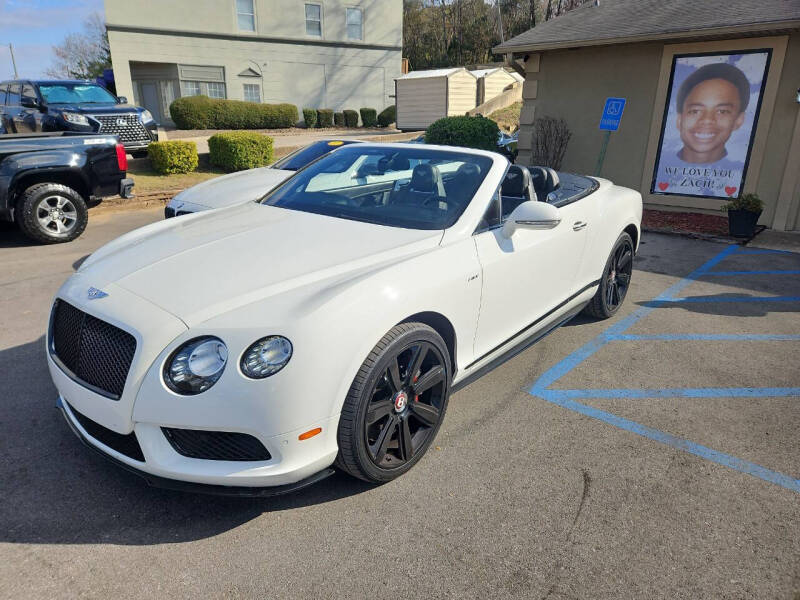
[742, 223]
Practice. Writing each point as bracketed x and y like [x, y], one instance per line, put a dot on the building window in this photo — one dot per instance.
[252, 93]
[196, 88]
[190, 88]
[216, 90]
[246, 15]
[355, 24]
[314, 20]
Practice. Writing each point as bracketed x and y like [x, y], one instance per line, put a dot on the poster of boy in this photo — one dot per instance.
[710, 120]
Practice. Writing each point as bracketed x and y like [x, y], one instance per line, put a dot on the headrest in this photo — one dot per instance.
[517, 182]
[468, 172]
[425, 178]
[545, 180]
[399, 163]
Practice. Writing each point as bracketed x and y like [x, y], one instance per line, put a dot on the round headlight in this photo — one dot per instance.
[196, 365]
[266, 357]
[147, 116]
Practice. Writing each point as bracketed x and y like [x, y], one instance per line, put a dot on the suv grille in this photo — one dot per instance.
[91, 350]
[215, 445]
[132, 131]
[124, 444]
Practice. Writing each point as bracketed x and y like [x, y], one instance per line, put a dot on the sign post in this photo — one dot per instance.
[612, 115]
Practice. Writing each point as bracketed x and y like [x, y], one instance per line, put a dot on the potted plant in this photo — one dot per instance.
[743, 213]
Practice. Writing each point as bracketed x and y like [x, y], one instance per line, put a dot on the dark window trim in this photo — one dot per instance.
[258, 38]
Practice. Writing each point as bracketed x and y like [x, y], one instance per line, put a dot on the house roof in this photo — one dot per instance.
[623, 21]
[432, 73]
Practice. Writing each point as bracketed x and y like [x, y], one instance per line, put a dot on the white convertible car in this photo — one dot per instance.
[251, 349]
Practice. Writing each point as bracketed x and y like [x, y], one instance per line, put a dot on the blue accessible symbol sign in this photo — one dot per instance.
[612, 114]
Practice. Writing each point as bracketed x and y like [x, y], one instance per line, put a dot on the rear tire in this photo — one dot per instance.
[395, 405]
[51, 213]
[615, 281]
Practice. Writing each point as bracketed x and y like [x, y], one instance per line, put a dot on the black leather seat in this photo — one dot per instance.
[426, 185]
[516, 188]
[545, 180]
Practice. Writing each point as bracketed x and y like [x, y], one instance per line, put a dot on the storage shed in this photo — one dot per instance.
[493, 82]
[422, 97]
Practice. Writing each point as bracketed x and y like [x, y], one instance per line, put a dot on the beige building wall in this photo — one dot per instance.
[421, 101]
[287, 65]
[573, 85]
[462, 90]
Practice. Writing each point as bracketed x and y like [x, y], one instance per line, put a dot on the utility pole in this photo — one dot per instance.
[500, 19]
[13, 62]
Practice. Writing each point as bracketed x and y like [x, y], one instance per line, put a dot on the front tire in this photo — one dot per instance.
[52, 213]
[395, 405]
[615, 281]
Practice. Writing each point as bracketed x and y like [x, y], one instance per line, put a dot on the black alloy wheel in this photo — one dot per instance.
[396, 404]
[615, 281]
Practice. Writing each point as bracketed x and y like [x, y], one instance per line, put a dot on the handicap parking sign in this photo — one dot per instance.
[612, 114]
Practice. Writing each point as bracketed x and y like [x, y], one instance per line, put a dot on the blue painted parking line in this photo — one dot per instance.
[669, 337]
[736, 273]
[763, 251]
[701, 299]
[566, 398]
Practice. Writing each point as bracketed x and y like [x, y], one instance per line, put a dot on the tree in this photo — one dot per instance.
[83, 55]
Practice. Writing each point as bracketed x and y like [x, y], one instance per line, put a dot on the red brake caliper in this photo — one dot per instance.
[416, 397]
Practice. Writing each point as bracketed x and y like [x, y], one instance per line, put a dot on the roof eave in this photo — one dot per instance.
[672, 35]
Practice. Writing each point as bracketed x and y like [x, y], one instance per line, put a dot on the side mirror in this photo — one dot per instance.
[28, 102]
[122, 99]
[531, 215]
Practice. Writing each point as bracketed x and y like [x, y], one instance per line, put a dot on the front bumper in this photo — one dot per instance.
[188, 486]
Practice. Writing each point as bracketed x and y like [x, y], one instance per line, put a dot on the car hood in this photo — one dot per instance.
[203, 265]
[234, 188]
[92, 108]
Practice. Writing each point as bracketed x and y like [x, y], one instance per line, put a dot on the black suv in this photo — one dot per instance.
[66, 105]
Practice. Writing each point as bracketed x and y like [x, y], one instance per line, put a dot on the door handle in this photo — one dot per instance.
[578, 225]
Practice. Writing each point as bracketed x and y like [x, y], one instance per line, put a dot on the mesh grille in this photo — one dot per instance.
[215, 445]
[131, 131]
[94, 351]
[124, 444]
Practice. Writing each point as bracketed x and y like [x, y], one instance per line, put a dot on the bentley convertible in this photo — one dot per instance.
[253, 349]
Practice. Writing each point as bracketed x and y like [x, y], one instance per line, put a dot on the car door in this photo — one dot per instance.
[527, 277]
[30, 113]
[13, 108]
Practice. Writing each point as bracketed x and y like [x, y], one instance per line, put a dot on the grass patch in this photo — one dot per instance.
[507, 118]
[147, 181]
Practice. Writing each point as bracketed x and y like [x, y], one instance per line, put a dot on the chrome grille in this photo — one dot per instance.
[90, 350]
[131, 131]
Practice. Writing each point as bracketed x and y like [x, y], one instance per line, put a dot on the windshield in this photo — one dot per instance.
[413, 188]
[75, 93]
[300, 158]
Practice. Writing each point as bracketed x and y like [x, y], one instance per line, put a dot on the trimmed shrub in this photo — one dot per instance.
[240, 150]
[170, 157]
[388, 116]
[310, 117]
[350, 118]
[338, 119]
[470, 132]
[202, 112]
[324, 117]
[368, 116]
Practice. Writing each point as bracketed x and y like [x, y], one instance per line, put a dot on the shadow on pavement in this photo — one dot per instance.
[56, 491]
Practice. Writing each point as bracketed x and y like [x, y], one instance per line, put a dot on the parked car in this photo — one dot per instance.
[47, 181]
[29, 106]
[247, 185]
[253, 348]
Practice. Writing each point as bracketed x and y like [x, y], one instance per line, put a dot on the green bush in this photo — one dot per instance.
[351, 118]
[310, 117]
[338, 119]
[750, 202]
[368, 117]
[172, 157]
[470, 132]
[202, 112]
[388, 116]
[240, 150]
[324, 117]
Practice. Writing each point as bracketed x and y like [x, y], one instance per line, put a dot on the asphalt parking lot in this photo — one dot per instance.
[654, 455]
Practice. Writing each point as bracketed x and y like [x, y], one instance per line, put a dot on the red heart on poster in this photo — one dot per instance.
[730, 190]
[663, 185]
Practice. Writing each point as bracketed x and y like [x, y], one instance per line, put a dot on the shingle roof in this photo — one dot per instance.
[620, 21]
